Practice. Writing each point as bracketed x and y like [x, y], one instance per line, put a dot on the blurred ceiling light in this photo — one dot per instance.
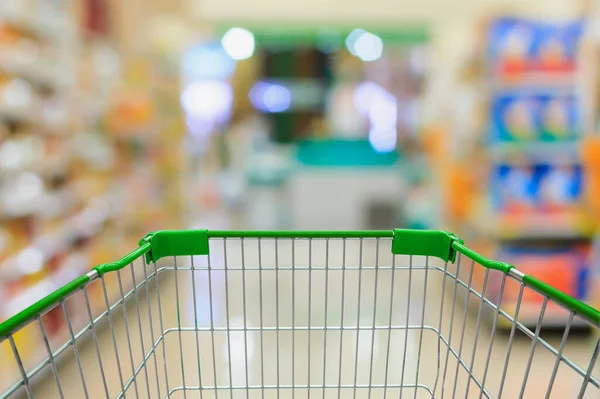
[384, 111]
[352, 39]
[368, 47]
[365, 94]
[269, 97]
[199, 127]
[209, 100]
[207, 62]
[238, 43]
[383, 140]
[381, 107]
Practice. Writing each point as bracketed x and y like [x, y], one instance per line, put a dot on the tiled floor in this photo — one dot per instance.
[254, 345]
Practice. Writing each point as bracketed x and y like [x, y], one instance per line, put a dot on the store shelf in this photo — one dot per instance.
[37, 73]
[43, 26]
[536, 82]
[541, 227]
[86, 223]
[51, 204]
[537, 218]
[536, 152]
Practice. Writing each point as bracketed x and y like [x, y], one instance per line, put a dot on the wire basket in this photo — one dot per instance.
[327, 314]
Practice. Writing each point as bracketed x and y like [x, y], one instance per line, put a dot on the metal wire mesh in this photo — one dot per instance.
[301, 318]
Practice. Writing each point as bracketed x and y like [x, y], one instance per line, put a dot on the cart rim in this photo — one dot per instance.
[164, 243]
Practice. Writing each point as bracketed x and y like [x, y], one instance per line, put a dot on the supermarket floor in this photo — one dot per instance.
[252, 343]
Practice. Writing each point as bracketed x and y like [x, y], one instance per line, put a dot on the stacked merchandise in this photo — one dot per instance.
[54, 203]
[147, 147]
[536, 122]
[88, 163]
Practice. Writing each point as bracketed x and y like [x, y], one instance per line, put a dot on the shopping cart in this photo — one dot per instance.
[212, 314]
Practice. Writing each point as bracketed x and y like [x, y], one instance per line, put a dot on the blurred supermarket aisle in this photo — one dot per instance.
[120, 119]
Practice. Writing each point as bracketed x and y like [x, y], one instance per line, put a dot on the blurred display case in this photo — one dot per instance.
[536, 212]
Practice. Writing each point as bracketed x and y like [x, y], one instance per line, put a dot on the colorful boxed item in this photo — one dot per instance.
[565, 268]
[525, 188]
[558, 45]
[560, 187]
[514, 188]
[514, 118]
[559, 117]
[512, 45]
[520, 46]
[519, 117]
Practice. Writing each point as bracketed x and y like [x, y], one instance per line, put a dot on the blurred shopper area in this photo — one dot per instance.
[120, 118]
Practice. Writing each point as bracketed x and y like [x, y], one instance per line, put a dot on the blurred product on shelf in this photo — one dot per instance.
[90, 158]
[525, 117]
[565, 267]
[529, 140]
[521, 49]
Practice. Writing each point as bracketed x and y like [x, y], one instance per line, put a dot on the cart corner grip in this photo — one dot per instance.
[425, 243]
[165, 243]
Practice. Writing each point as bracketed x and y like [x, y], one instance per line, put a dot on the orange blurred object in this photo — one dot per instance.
[130, 113]
[590, 156]
[459, 186]
[8, 34]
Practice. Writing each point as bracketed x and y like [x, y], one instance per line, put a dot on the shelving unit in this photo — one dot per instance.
[55, 203]
[537, 121]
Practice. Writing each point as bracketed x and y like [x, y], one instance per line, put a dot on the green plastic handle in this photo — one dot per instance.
[569, 302]
[301, 234]
[176, 243]
[424, 243]
[482, 260]
[161, 244]
[26, 315]
[124, 261]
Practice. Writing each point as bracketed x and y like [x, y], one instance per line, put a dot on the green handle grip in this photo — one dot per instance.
[26, 315]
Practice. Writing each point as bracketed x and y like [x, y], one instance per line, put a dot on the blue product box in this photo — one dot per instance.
[512, 40]
[514, 117]
[519, 45]
[536, 188]
[514, 187]
[559, 118]
[559, 186]
[557, 44]
[524, 117]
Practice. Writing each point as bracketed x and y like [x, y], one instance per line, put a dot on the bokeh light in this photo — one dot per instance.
[270, 97]
[368, 47]
[207, 62]
[352, 39]
[365, 93]
[384, 110]
[238, 43]
[364, 45]
[383, 139]
[209, 100]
